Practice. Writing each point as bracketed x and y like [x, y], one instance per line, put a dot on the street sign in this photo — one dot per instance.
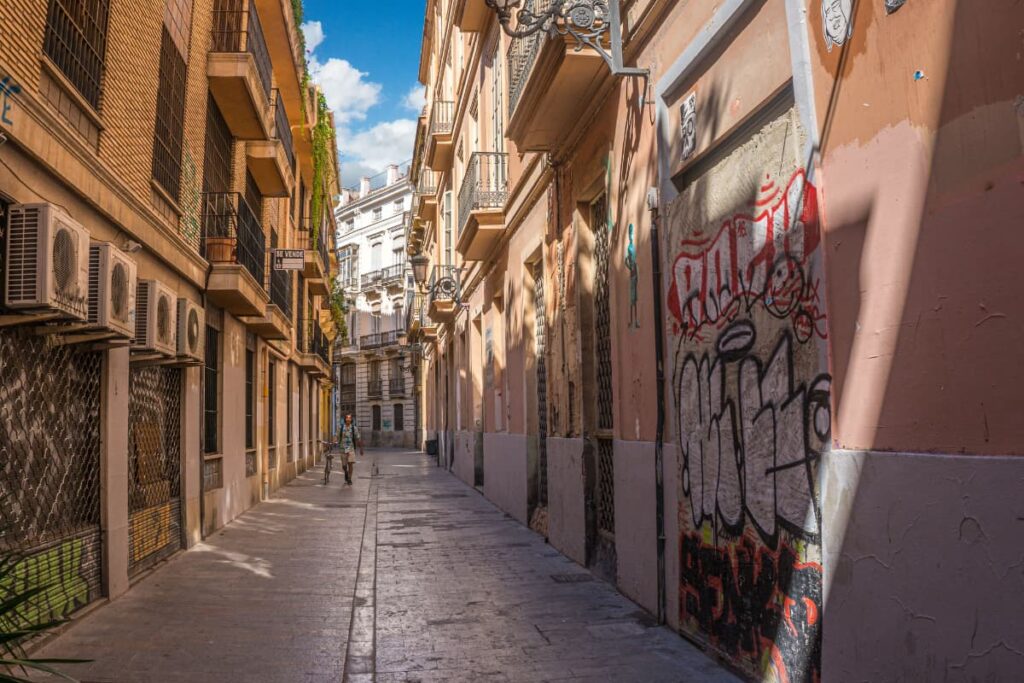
[288, 259]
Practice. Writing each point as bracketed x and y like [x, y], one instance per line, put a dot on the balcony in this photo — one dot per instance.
[380, 340]
[396, 387]
[392, 276]
[548, 81]
[316, 266]
[415, 312]
[471, 15]
[482, 205]
[439, 135]
[444, 293]
[277, 322]
[272, 162]
[313, 349]
[426, 195]
[235, 246]
[238, 69]
[374, 389]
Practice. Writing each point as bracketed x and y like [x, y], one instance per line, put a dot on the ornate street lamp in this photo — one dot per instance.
[590, 22]
[419, 268]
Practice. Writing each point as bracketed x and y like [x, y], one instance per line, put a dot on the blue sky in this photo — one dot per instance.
[365, 56]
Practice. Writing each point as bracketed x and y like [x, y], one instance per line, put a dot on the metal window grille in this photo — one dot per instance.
[213, 474]
[540, 343]
[399, 417]
[282, 129]
[211, 375]
[219, 146]
[154, 465]
[76, 40]
[376, 418]
[50, 474]
[251, 465]
[603, 352]
[170, 117]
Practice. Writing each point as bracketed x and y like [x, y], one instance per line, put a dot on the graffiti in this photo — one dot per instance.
[836, 16]
[60, 572]
[751, 436]
[8, 89]
[150, 531]
[560, 258]
[893, 5]
[688, 125]
[634, 276]
[753, 259]
[191, 201]
[488, 358]
[757, 603]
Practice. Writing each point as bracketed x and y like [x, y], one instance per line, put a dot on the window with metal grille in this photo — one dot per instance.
[170, 117]
[213, 474]
[605, 497]
[399, 417]
[376, 418]
[217, 162]
[540, 346]
[211, 391]
[253, 196]
[76, 42]
[272, 404]
[250, 399]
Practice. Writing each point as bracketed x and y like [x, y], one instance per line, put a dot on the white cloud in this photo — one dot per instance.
[351, 95]
[416, 98]
[314, 33]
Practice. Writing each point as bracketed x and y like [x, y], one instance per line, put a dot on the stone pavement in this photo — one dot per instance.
[406, 576]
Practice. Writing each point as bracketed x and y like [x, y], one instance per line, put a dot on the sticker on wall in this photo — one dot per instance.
[688, 124]
[634, 276]
[837, 18]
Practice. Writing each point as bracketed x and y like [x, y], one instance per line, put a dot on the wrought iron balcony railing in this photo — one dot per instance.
[379, 340]
[485, 185]
[281, 290]
[232, 233]
[282, 129]
[416, 310]
[396, 387]
[314, 341]
[522, 54]
[442, 117]
[384, 276]
[236, 28]
[375, 388]
[348, 393]
[427, 183]
[444, 284]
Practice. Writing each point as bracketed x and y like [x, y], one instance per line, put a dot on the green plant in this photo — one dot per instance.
[15, 629]
[339, 308]
[323, 136]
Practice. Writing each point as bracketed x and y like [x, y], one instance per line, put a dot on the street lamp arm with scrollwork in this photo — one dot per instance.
[589, 22]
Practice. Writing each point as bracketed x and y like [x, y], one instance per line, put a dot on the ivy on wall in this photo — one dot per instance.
[322, 168]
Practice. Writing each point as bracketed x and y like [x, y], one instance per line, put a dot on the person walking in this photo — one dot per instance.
[350, 440]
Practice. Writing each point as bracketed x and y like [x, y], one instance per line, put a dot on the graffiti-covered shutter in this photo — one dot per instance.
[50, 474]
[154, 466]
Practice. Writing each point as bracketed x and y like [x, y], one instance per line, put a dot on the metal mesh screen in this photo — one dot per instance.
[603, 362]
[50, 472]
[154, 465]
[540, 341]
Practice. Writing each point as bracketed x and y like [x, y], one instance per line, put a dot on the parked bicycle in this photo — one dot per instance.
[328, 453]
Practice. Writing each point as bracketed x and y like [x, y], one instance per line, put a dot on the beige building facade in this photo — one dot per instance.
[160, 374]
[715, 333]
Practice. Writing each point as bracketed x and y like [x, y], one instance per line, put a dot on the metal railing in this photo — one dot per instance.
[427, 182]
[282, 129]
[522, 54]
[281, 290]
[232, 233]
[379, 339]
[348, 393]
[485, 185]
[442, 118]
[444, 284]
[415, 312]
[396, 387]
[312, 340]
[236, 28]
[383, 276]
[375, 388]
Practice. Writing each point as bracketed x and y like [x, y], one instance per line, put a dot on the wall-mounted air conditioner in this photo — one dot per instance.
[46, 262]
[112, 283]
[156, 313]
[191, 330]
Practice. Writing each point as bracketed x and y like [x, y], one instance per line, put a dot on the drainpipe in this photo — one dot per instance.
[202, 426]
[659, 353]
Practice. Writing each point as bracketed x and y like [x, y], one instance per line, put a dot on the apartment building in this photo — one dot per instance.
[373, 373]
[696, 308]
[159, 373]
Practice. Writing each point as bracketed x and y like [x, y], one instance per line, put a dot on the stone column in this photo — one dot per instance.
[191, 455]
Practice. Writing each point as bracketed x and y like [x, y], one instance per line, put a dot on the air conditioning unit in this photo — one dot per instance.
[47, 262]
[191, 330]
[156, 313]
[111, 289]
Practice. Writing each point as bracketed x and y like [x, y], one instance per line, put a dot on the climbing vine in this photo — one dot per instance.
[322, 168]
[339, 307]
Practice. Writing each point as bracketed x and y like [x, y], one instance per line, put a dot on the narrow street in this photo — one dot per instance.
[409, 575]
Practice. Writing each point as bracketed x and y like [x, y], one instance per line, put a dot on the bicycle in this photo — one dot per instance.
[328, 459]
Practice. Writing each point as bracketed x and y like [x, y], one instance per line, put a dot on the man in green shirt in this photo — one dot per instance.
[350, 440]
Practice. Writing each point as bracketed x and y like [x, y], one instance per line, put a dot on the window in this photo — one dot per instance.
[378, 213]
[398, 206]
[447, 258]
[397, 256]
[272, 403]
[497, 114]
[288, 419]
[350, 225]
[76, 41]
[217, 162]
[376, 418]
[211, 381]
[170, 117]
[250, 399]
[399, 417]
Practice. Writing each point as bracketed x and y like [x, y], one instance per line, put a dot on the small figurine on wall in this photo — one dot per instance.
[634, 276]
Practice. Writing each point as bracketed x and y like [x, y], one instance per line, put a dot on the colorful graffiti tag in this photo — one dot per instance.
[753, 417]
[63, 572]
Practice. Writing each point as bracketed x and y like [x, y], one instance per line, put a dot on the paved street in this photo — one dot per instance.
[406, 576]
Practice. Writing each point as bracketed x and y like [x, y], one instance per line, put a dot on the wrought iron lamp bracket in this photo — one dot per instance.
[589, 22]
